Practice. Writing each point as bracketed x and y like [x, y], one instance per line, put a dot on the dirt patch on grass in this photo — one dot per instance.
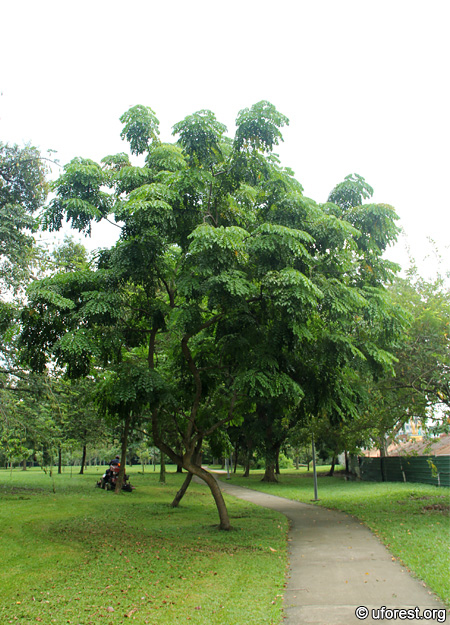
[437, 507]
[21, 492]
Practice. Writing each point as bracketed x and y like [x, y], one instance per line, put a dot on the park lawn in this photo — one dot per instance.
[85, 556]
[412, 520]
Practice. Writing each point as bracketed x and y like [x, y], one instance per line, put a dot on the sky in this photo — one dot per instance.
[365, 85]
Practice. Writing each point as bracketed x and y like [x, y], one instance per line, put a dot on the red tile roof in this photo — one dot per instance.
[435, 447]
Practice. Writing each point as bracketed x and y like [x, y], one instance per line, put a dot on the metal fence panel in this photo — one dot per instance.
[424, 469]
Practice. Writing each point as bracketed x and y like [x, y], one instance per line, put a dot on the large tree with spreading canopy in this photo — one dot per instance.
[229, 293]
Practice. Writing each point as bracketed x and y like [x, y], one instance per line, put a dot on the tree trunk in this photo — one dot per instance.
[247, 466]
[24, 465]
[216, 493]
[269, 474]
[59, 461]
[162, 470]
[236, 454]
[383, 455]
[179, 469]
[333, 464]
[187, 462]
[123, 456]
[180, 494]
[347, 465]
[83, 460]
[196, 459]
[277, 462]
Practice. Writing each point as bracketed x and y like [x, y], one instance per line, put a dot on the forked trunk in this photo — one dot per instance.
[195, 460]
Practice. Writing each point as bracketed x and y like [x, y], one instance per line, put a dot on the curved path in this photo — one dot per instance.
[338, 564]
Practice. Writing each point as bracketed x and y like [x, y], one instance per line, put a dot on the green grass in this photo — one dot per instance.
[84, 556]
[412, 520]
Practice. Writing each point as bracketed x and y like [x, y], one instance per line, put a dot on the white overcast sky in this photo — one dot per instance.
[364, 83]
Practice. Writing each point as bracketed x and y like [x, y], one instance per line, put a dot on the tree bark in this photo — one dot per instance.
[383, 455]
[123, 457]
[197, 459]
[236, 455]
[247, 467]
[180, 494]
[333, 464]
[216, 493]
[269, 474]
[59, 461]
[83, 460]
[162, 470]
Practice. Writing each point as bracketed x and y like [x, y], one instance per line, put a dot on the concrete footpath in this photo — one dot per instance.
[338, 565]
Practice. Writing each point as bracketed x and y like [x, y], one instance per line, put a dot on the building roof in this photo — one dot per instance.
[435, 447]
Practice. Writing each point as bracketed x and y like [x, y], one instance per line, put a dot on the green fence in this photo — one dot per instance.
[425, 469]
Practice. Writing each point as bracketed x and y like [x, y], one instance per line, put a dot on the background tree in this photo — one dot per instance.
[23, 190]
[420, 388]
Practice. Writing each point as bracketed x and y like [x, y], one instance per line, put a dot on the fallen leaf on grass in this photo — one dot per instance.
[130, 613]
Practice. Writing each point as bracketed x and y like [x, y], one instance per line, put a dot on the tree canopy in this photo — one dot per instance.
[229, 296]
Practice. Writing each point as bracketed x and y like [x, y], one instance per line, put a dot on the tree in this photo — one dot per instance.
[421, 386]
[23, 190]
[227, 290]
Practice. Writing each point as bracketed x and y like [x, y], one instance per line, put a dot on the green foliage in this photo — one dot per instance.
[351, 192]
[200, 136]
[421, 385]
[70, 256]
[141, 128]
[165, 157]
[230, 297]
[115, 162]
[126, 389]
[23, 190]
[258, 127]
[79, 197]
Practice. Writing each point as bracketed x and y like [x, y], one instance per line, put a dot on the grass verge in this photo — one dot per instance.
[412, 520]
[84, 556]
